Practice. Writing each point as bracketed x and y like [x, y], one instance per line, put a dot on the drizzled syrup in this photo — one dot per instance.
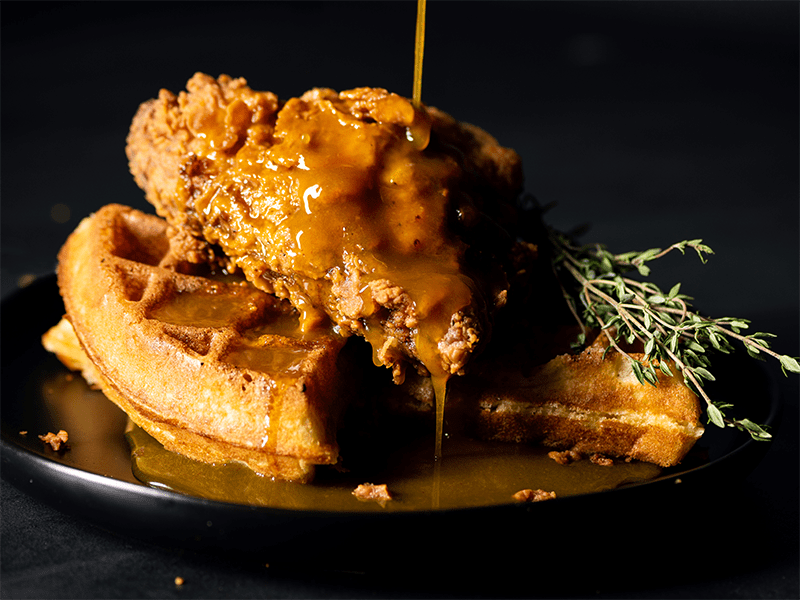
[419, 50]
[439, 381]
[475, 474]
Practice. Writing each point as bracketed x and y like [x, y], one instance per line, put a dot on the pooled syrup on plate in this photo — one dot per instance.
[475, 474]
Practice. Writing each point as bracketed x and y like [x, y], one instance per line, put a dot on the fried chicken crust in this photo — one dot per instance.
[394, 222]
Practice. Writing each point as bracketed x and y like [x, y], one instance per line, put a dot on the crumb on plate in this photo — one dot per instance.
[528, 495]
[56, 440]
[565, 457]
[601, 459]
[370, 492]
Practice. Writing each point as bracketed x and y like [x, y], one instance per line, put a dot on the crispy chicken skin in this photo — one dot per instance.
[392, 222]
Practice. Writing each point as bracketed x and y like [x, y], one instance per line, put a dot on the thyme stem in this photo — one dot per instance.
[670, 331]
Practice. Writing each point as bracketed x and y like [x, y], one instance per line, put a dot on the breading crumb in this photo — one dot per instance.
[367, 492]
[565, 457]
[56, 440]
[529, 495]
[602, 460]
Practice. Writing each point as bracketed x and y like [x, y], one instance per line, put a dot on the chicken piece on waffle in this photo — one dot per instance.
[396, 222]
[208, 365]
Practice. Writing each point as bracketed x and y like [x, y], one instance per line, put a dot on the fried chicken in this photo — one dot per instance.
[390, 221]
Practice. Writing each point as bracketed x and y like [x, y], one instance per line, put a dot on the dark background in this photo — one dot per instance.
[653, 122]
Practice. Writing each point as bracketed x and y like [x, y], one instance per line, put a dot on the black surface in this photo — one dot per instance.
[654, 122]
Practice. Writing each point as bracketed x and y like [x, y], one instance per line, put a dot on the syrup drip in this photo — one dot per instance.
[494, 472]
[440, 397]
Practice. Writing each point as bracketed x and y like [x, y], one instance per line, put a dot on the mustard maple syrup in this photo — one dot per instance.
[345, 203]
[394, 237]
[475, 474]
[201, 309]
[439, 380]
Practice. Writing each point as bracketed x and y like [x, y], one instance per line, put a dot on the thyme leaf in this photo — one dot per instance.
[671, 332]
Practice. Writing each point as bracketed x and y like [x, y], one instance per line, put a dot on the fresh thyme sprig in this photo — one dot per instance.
[671, 333]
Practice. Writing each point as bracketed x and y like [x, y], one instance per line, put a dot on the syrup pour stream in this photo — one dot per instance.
[419, 49]
[439, 381]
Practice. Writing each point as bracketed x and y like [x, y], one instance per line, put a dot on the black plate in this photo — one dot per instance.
[94, 481]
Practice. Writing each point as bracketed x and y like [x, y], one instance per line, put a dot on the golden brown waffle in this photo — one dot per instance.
[61, 341]
[591, 402]
[211, 367]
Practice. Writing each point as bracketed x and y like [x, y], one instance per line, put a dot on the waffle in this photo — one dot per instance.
[591, 402]
[62, 341]
[219, 371]
[208, 365]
